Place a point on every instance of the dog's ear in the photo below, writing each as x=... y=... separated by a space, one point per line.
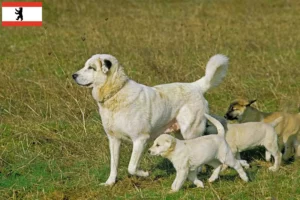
x=106 y=66
x=251 y=102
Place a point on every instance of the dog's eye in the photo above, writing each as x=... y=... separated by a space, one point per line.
x=92 y=68
x=157 y=145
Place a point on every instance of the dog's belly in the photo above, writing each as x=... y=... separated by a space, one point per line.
x=131 y=125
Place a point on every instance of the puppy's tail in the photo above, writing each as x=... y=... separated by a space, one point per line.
x=276 y=121
x=215 y=71
x=217 y=124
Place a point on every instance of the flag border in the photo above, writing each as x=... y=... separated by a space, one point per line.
x=22 y=23
x=22 y=4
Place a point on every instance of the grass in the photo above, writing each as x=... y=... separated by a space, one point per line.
x=52 y=145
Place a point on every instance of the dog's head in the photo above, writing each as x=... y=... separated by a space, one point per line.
x=104 y=74
x=237 y=108
x=96 y=70
x=163 y=145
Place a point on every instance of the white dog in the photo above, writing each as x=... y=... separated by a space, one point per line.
x=137 y=112
x=188 y=155
x=241 y=137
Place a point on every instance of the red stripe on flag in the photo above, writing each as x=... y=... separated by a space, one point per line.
x=21 y=4
x=21 y=23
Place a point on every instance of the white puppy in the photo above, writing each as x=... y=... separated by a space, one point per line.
x=188 y=155
x=136 y=112
x=241 y=137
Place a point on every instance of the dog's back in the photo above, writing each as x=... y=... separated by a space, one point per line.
x=206 y=148
x=248 y=135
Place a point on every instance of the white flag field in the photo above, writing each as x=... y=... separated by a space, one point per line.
x=21 y=13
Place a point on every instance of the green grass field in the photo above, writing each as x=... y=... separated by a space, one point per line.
x=52 y=145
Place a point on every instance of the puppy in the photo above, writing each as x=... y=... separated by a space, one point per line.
x=241 y=137
x=288 y=129
x=245 y=136
x=188 y=155
x=137 y=113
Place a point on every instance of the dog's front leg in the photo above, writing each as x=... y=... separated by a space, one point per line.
x=181 y=176
x=138 y=148
x=114 y=147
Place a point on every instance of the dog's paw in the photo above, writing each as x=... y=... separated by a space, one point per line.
x=172 y=191
x=108 y=183
x=142 y=173
x=245 y=164
x=199 y=183
x=273 y=168
x=212 y=179
x=245 y=178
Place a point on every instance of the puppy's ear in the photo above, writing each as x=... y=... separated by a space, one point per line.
x=106 y=66
x=251 y=102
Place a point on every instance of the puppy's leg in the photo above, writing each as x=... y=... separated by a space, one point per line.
x=268 y=156
x=181 y=176
x=297 y=147
x=138 y=148
x=215 y=174
x=288 y=148
x=272 y=147
x=236 y=154
x=244 y=163
x=114 y=147
x=192 y=176
x=232 y=162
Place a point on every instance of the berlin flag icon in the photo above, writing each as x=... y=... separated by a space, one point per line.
x=21 y=13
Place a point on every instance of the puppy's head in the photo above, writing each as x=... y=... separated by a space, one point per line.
x=163 y=145
x=96 y=70
x=237 y=108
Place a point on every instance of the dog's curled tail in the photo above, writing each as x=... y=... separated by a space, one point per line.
x=217 y=124
x=215 y=71
x=276 y=121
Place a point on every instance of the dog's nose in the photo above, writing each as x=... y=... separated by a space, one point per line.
x=75 y=76
x=149 y=151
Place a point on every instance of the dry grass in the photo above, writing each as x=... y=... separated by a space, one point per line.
x=52 y=145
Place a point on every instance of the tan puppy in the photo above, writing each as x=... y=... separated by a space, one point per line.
x=288 y=129
x=188 y=155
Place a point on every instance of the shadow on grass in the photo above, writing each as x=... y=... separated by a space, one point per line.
x=163 y=169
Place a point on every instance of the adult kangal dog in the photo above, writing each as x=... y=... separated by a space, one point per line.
x=136 y=112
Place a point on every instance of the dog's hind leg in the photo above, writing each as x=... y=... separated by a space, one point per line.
x=272 y=148
x=193 y=177
x=297 y=147
x=268 y=156
x=138 y=148
x=114 y=147
x=218 y=166
x=236 y=164
x=288 y=148
x=191 y=124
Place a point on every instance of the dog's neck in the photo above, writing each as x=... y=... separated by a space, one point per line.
x=169 y=153
x=112 y=86
x=178 y=155
x=252 y=115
